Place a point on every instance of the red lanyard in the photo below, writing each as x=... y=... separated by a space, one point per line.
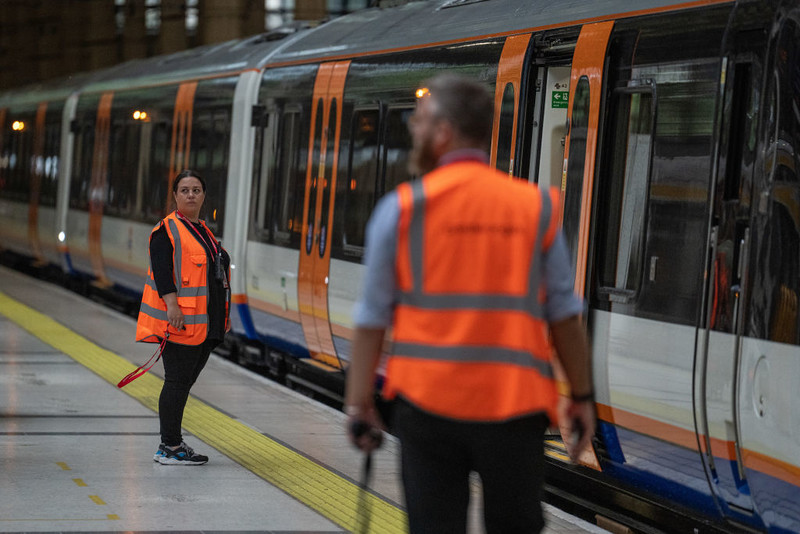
x=193 y=228
x=147 y=365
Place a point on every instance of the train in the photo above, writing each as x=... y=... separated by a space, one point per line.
x=671 y=127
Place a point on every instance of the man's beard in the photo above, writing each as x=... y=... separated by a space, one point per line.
x=422 y=160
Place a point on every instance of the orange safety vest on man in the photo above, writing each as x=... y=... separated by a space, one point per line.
x=470 y=340
x=190 y=269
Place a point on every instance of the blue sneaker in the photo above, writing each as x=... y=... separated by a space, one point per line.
x=159 y=453
x=181 y=455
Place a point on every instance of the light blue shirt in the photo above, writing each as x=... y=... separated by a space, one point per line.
x=375 y=305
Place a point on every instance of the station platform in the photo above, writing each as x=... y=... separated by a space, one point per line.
x=76 y=452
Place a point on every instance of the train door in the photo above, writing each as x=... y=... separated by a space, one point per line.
x=315 y=254
x=506 y=103
x=719 y=353
x=583 y=112
x=753 y=264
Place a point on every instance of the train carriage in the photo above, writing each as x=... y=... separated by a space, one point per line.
x=672 y=128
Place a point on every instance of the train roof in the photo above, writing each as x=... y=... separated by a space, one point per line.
x=370 y=31
x=421 y=23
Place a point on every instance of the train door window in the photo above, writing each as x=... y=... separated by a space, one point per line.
x=209 y=157
x=579 y=128
x=774 y=312
x=315 y=168
x=52 y=144
x=327 y=179
x=82 y=168
x=155 y=190
x=625 y=201
x=216 y=175
x=359 y=189
x=505 y=133
x=397 y=145
x=290 y=180
x=19 y=158
x=123 y=161
x=652 y=198
x=263 y=176
x=550 y=153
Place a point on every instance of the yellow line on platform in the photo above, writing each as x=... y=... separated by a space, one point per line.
x=329 y=494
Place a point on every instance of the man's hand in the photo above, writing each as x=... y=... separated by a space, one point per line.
x=364 y=428
x=582 y=418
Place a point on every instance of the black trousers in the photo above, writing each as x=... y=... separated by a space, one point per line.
x=438 y=455
x=182 y=366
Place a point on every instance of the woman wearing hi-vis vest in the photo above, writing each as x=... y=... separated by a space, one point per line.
x=185 y=300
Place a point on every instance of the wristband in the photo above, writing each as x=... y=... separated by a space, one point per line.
x=586 y=397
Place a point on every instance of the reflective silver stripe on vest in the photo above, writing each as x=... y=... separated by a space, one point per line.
x=182 y=291
x=161 y=315
x=176 y=238
x=415 y=297
x=473 y=355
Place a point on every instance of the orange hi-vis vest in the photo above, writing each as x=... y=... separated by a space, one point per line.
x=190 y=269
x=470 y=340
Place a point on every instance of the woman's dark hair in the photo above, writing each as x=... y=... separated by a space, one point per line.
x=187 y=173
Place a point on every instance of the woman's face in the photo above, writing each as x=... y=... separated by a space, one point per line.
x=189 y=197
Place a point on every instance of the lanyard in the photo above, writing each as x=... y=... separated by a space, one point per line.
x=194 y=230
x=147 y=365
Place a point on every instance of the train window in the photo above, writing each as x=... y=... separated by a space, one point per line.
x=324 y=229
x=210 y=147
x=18 y=157
x=359 y=189
x=290 y=180
x=155 y=192
x=123 y=164
x=396 y=147
x=774 y=313
x=82 y=164
x=263 y=179
x=626 y=201
x=49 y=166
x=315 y=174
x=505 y=130
x=579 y=128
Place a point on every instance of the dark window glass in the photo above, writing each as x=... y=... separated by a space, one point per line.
x=17 y=157
x=50 y=158
x=773 y=313
x=286 y=205
x=155 y=192
x=505 y=130
x=124 y=154
x=326 y=185
x=359 y=189
x=208 y=156
x=263 y=180
x=575 y=167
x=315 y=175
x=396 y=148
x=625 y=200
x=82 y=163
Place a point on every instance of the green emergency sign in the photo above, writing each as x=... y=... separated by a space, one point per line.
x=560 y=99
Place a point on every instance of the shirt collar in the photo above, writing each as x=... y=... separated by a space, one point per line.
x=464 y=154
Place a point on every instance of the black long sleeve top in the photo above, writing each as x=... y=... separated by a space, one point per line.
x=161 y=253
